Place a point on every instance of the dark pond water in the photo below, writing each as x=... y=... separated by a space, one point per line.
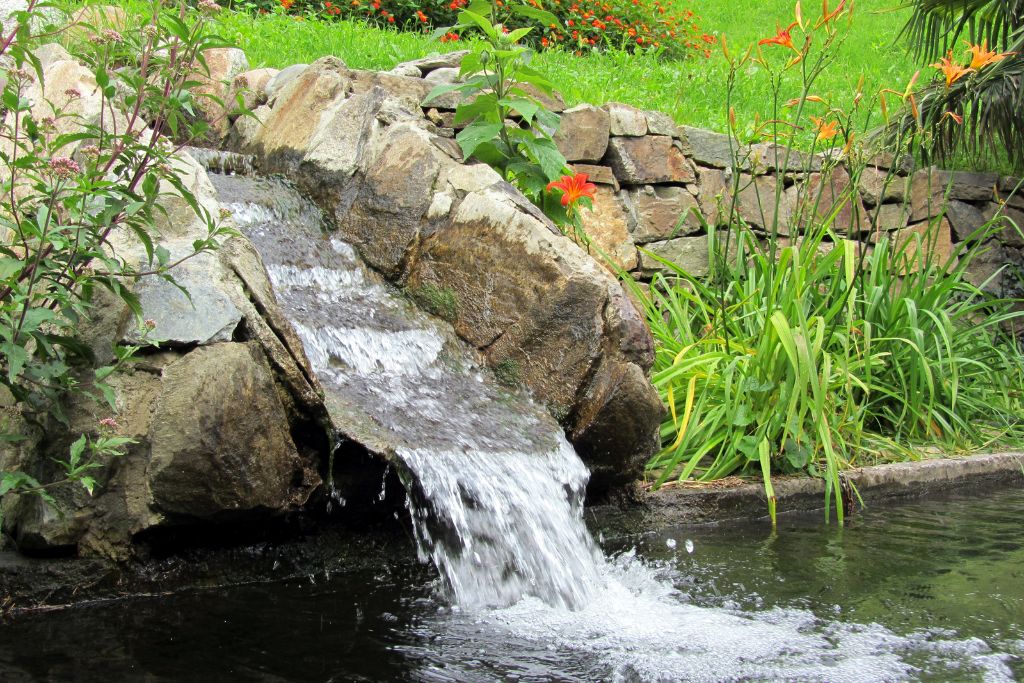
x=927 y=591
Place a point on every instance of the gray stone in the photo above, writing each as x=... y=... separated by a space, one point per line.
x=447 y=60
x=406 y=70
x=659 y=213
x=963 y=218
x=282 y=79
x=877 y=186
x=766 y=157
x=660 y=123
x=714 y=193
x=688 y=253
x=50 y=53
x=583 y=133
x=625 y=120
x=648 y=159
x=252 y=85
x=756 y=204
x=889 y=217
x=204 y=316
x=220 y=442
x=212 y=94
x=830 y=197
x=442 y=76
x=1011 y=221
x=712 y=149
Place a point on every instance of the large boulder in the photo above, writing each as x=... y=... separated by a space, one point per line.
x=522 y=293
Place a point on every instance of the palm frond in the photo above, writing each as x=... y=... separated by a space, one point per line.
x=938 y=25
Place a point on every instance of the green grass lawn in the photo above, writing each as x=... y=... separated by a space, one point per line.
x=691 y=90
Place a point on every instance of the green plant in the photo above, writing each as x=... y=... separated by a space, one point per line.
x=83 y=179
x=441 y=301
x=803 y=350
x=987 y=100
x=507 y=124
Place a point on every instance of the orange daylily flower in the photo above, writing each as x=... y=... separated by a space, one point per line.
x=827 y=16
x=952 y=72
x=981 y=56
x=956 y=117
x=574 y=188
x=826 y=129
x=782 y=38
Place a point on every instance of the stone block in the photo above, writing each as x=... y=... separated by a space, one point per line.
x=878 y=187
x=660 y=213
x=583 y=133
x=648 y=159
x=660 y=123
x=601 y=175
x=889 y=217
x=934 y=237
x=831 y=197
x=626 y=120
x=607 y=226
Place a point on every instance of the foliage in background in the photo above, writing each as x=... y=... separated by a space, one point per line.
x=506 y=122
x=986 y=38
x=581 y=25
x=77 y=191
x=804 y=350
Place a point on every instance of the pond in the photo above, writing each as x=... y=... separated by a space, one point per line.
x=932 y=590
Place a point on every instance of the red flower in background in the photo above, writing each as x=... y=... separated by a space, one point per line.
x=574 y=188
x=782 y=38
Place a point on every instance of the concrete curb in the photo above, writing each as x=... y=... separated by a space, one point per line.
x=648 y=511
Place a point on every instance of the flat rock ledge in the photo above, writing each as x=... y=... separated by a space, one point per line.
x=743 y=501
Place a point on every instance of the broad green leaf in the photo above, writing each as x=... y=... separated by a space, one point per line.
x=475 y=135
x=77 y=449
x=544 y=17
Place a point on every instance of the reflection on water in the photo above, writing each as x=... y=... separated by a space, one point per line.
x=932 y=590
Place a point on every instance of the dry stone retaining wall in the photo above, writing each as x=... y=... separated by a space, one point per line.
x=656 y=179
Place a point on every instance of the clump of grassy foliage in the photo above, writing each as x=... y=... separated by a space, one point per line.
x=805 y=351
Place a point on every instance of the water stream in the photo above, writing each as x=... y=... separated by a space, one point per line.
x=496 y=504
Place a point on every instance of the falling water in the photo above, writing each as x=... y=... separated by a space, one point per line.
x=497 y=498
x=496 y=495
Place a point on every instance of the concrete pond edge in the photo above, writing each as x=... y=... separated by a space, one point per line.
x=645 y=511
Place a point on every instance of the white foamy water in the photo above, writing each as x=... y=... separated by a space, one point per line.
x=496 y=504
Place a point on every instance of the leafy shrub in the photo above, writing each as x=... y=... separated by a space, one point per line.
x=581 y=25
x=805 y=351
x=78 y=192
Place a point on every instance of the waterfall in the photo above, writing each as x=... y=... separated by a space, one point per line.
x=497 y=491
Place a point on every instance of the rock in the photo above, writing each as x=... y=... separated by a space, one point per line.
x=406 y=70
x=283 y=78
x=964 y=219
x=660 y=123
x=756 y=204
x=878 y=187
x=447 y=60
x=212 y=95
x=768 y=157
x=180 y=321
x=648 y=159
x=602 y=175
x=245 y=129
x=625 y=120
x=606 y=226
x=988 y=268
x=220 y=443
x=659 y=213
x=442 y=76
x=1011 y=220
x=934 y=237
x=889 y=217
x=523 y=293
x=714 y=194
x=50 y=53
x=253 y=86
x=930 y=188
x=583 y=133
x=831 y=197
x=298 y=103
x=712 y=149
x=689 y=253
